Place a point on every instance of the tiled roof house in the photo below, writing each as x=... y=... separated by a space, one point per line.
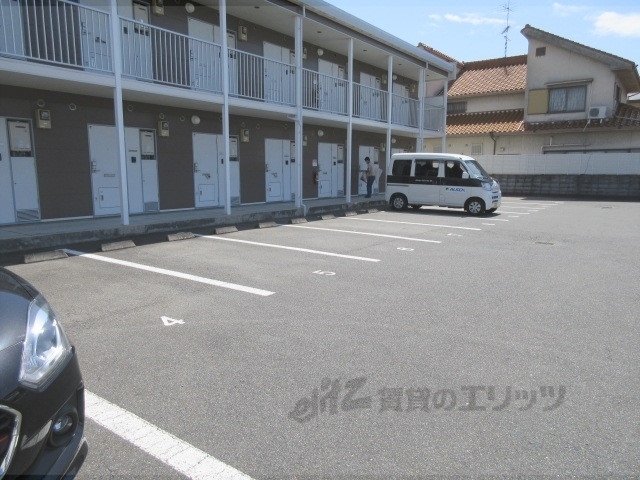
x=561 y=97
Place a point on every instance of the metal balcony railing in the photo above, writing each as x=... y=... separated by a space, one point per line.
x=433 y=113
x=56 y=32
x=259 y=78
x=63 y=33
x=404 y=110
x=159 y=55
x=324 y=93
x=369 y=103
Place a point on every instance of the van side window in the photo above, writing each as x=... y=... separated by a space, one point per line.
x=453 y=170
x=426 y=169
x=401 y=168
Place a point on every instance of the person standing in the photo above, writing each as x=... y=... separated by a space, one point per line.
x=371 y=176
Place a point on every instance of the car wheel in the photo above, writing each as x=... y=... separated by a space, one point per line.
x=474 y=206
x=399 y=202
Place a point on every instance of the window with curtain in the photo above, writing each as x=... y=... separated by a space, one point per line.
x=568 y=99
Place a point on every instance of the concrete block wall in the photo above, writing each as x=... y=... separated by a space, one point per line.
x=605 y=186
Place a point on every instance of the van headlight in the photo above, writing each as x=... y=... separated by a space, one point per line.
x=486 y=186
x=46 y=347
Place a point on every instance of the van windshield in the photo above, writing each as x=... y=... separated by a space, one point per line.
x=475 y=169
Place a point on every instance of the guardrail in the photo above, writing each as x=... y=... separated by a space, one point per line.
x=324 y=93
x=57 y=32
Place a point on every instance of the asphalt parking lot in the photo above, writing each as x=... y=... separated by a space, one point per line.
x=377 y=346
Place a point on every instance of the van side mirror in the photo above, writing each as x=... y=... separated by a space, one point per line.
x=465 y=175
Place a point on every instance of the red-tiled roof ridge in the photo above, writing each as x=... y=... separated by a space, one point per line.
x=438 y=53
x=490 y=78
x=497 y=121
x=496 y=62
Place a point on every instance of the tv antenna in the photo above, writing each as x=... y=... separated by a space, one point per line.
x=506 y=8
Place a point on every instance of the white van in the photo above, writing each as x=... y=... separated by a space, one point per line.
x=442 y=179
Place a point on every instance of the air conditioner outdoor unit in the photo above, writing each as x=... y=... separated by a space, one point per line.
x=597 y=112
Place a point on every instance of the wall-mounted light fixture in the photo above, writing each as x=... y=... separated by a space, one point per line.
x=394 y=77
x=383 y=78
x=320 y=133
x=412 y=88
x=40 y=102
x=195 y=119
x=383 y=147
x=304 y=52
x=320 y=52
x=244 y=135
x=304 y=141
x=393 y=140
x=189 y=7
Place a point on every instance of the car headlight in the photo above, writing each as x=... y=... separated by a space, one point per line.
x=486 y=186
x=46 y=347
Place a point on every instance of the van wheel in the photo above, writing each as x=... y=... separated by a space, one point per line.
x=399 y=201
x=474 y=206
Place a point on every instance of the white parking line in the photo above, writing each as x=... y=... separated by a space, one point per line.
x=176 y=453
x=365 y=233
x=409 y=223
x=297 y=249
x=172 y=273
x=547 y=204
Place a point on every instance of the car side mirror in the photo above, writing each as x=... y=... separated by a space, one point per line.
x=465 y=175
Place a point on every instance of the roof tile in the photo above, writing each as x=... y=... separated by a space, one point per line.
x=504 y=121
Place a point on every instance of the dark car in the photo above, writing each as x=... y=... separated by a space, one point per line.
x=41 y=389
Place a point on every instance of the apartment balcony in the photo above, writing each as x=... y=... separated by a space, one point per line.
x=63 y=34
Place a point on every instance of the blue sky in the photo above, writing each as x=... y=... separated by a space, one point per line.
x=472 y=30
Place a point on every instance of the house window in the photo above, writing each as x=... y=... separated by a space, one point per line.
x=457 y=107
x=476 y=149
x=567 y=99
x=541 y=51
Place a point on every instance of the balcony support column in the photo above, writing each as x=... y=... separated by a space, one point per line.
x=389 y=107
x=444 y=116
x=298 y=119
x=421 y=108
x=118 y=110
x=222 y=8
x=348 y=172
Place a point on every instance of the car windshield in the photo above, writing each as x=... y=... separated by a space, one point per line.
x=475 y=169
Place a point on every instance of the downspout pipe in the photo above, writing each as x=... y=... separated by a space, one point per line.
x=495 y=141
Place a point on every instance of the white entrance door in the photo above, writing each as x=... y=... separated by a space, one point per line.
x=279 y=74
x=11 y=34
x=105 y=170
x=332 y=89
x=370 y=97
x=7 y=206
x=234 y=171
x=202 y=56
x=142 y=170
x=372 y=153
x=330 y=169
x=279 y=170
x=208 y=170
x=18 y=175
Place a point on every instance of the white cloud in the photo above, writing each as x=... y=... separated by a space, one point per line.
x=474 y=19
x=622 y=25
x=568 y=10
